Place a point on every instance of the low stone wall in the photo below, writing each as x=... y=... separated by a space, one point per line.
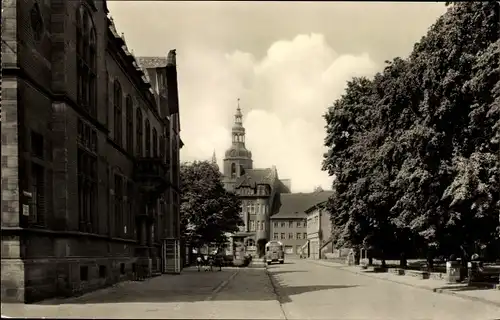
x=437 y=275
x=397 y=271
x=417 y=274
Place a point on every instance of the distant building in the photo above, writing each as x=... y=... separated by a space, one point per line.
x=90 y=154
x=289 y=224
x=258 y=189
x=319 y=228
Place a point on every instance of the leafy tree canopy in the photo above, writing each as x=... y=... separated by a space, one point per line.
x=415 y=149
x=208 y=211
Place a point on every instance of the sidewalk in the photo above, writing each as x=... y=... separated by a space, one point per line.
x=490 y=296
x=186 y=295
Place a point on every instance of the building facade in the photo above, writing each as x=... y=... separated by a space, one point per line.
x=319 y=230
x=290 y=230
x=290 y=224
x=90 y=154
x=258 y=190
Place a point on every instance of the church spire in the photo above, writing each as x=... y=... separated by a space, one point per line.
x=238 y=131
x=238 y=117
x=214 y=158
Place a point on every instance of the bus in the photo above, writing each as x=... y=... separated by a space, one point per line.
x=275 y=252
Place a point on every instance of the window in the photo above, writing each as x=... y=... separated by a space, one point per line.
x=305 y=235
x=233 y=170
x=129 y=116
x=162 y=147
x=84 y=273
x=102 y=271
x=37 y=145
x=148 y=138
x=139 y=128
x=117 y=107
x=131 y=217
x=275 y=236
x=305 y=223
x=87 y=137
x=275 y=224
x=86 y=61
x=299 y=236
x=155 y=143
x=36 y=22
x=290 y=235
x=251 y=243
x=282 y=236
x=252 y=225
x=122 y=268
x=283 y=224
x=290 y=224
x=299 y=224
x=87 y=189
x=118 y=205
x=37 y=214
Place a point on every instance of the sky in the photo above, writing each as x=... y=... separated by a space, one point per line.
x=286 y=62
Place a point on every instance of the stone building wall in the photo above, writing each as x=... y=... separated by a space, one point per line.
x=52 y=257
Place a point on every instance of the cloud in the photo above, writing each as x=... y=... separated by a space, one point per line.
x=283 y=97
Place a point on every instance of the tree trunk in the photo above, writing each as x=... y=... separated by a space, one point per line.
x=430 y=263
x=357 y=257
x=403 y=263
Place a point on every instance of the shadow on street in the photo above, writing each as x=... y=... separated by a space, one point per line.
x=466 y=288
x=286 y=291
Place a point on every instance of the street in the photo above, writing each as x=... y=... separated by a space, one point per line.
x=302 y=290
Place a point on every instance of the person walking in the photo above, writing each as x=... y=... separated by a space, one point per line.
x=199 y=262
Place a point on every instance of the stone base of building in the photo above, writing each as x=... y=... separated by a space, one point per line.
x=30 y=281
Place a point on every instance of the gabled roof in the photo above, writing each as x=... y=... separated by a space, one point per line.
x=253 y=177
x=294 y=205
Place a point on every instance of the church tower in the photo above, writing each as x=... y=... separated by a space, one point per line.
x=237 y=158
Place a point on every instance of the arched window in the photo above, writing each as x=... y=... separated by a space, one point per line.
x=155 y=143
x=117 y=107
x=138 y=135
x=233 y=170
x=86 y=60
x=130 y=123
x=36 y=20
x=148 y=138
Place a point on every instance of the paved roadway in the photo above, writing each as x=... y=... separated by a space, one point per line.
x=310 y=291
x=297 y=289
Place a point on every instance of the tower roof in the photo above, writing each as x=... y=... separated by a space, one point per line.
x=238 y=149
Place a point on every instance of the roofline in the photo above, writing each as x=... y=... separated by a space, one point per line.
x=285 y=217
x=314 y=206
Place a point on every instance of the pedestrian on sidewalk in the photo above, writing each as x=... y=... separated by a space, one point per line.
x=199 y=262
x=206 y=263
x=218 y=261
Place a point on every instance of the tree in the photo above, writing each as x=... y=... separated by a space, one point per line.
x=208 y=211
x=415 y=149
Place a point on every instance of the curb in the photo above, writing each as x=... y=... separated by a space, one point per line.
x=435 y=290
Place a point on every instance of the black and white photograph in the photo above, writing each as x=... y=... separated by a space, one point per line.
x=335 y=160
